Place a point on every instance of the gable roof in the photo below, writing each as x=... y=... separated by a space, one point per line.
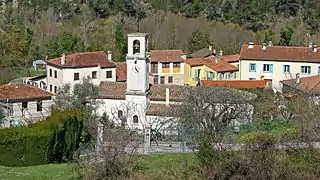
x=21 y=91
x=121 y=70
x=166 y=55
x=117 y=90
x=280 y=53
x=210 y=62
x=248 y=84
x=309 y=84
x=230 y=58
x=84 y=59
x=205 y=52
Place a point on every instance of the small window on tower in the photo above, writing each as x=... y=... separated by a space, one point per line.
x=136 y=46
x=135 y=119
x=120 y=113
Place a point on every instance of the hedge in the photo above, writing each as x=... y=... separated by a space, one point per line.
x=52 y=140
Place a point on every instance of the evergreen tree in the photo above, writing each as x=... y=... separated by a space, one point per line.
x=120 y=42
x=285 y=37
x=198 y=41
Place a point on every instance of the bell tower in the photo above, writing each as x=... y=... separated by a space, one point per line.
x=137 y=64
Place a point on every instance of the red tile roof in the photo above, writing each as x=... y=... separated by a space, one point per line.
x=309 y=84
x=222 y=66
x=117 y=90
x=166 y=56
x=250 y=84
x=230 y=58
x=19 y=90
x=280 y=53
x=121 y=70
x=85 y=59
x=205 y=52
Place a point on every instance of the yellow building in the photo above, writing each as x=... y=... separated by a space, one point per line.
x=210 y=68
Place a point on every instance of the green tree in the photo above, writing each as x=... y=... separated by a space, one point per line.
x=268 y=35
x=66 y=43
x=120 y=42
x=285 y=36
x=198 y=41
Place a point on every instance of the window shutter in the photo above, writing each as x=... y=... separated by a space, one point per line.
x=255 y=67
x=271 y=67
x=249 y=67
x=283 y=68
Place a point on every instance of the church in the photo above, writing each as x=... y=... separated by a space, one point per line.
x=136 y=103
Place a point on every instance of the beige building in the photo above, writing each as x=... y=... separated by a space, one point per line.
x=277 y=63
x=167 y=67
x=74 y=67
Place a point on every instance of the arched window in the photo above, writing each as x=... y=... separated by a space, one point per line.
x=135 y=119
x=120 y=113
x=136 y=46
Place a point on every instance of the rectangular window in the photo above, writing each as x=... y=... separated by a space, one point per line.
x=267 y=68
x=50 y=88
x=252 y=67
x=227 y=75
x=197 y=73
x=319 y=70
x=234 y=75
x=286 y=68
x=154 y=67
x=221 y=75
x=170 y=79
x=55 y=74
x=210 y=75
x=94 y=75
x=24 y=105
x=155 y=80
x=55 y=89
x=109 y=74
x=76 y=76
x=165 y=65
x=176 y=65
x=162 y=80
x=50 y=72
x=252 y=79
x=306 y=69
x=39 y=106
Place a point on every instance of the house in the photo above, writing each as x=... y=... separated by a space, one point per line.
x=309 y=85
x=39 y=81
x=74 y=67
x=24 y=103
x=210 y=68
x=204 y=52
x=167 y=66
x=277 y=63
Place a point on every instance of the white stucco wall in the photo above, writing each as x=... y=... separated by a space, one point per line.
x=277 y=75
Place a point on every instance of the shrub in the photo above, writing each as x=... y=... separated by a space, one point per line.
x=52 y=140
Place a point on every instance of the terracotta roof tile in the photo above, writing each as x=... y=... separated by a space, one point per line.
x=309 y=84
x=85 y=59
x=117 y=90
x=222 y=66
x=205 y=52
x=236 y=83
x=280 y=53
x=166 y=56
x=230 y=58
x=121 y=69
x=19 y=90
x=156 y=109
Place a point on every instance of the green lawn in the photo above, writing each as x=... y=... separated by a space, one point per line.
x=42 y=172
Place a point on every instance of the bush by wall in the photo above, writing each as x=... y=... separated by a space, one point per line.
x=52 y=140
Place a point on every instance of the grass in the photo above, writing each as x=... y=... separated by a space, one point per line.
x=43 y=172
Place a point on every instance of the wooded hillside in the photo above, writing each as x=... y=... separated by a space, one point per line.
x=36 y=29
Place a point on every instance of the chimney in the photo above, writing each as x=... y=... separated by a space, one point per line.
x=63 y=59
x=109 y=55
x=251 y=44
x=210 y=48
x=314 y=48
x=167 y=96
x=310 y=45
x=297 y=78
x=217 y=59
x=264 y=46
x=221 y=52
x=270 y=43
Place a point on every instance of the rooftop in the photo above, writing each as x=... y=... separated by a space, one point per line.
x=205 y=52
x=85 y=59
x=280 y=53
x=121 y=70
x=309 y=84
x=238 y=84
x=221 y=66
x=20 y=91
x=167 y=55
x=230 y=58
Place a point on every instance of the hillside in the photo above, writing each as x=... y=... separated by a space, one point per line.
x=41 y=29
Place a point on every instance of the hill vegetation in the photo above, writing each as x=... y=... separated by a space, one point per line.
x=40 y=29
